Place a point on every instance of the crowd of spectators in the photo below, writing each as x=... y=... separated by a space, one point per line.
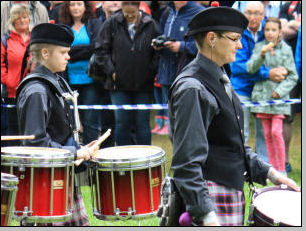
x=139 y=67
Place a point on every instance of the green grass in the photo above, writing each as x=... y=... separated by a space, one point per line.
x=165 y=144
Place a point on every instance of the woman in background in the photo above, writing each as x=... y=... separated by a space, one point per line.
x=13 y=47
x=78 y=15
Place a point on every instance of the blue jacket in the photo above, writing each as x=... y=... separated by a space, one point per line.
x=175 y=27
x=241 y=80
x=298 y=60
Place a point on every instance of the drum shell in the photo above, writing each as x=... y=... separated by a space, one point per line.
x=45 y=183
x=130 y=176
x=8 y=196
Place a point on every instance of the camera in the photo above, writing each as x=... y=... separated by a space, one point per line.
x=161 y=39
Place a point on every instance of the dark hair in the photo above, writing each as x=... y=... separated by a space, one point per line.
x=275 y=20
x=131 y=3
x=201 y=36
x=66 y=18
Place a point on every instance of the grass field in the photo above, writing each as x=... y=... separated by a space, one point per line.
x=164 y=143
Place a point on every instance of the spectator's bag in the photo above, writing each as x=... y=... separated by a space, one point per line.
x=94 y=70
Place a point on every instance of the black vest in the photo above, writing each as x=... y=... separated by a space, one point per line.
x=60 y=123
x=226 y=162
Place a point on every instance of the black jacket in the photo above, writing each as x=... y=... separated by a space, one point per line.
x=84 y=52
x=133 y=61
x=207 y=135
x=43 y=113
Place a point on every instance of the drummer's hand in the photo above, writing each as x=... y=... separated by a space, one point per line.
x=289 y=182
x=211 y=219
x=278 y=178
x=92 y=148
x=83 y=153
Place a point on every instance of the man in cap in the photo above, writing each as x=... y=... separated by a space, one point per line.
x=210 y=162
x=42 y=111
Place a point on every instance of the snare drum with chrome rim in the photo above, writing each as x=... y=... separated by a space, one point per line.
x=276 y=206
x=46 y=177
x=126 y=181
x=8 y=195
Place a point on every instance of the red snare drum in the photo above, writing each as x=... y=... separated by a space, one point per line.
x=46 y=177
x=8 y=195
x=126 y=181
x=276 y=206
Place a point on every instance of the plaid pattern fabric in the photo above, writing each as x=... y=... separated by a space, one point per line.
x=79 y=216
x=229 y=204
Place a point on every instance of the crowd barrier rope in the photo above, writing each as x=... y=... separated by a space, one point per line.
x=165 y=106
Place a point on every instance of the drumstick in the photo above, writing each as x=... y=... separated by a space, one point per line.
x=31 y=137
x=97 y=144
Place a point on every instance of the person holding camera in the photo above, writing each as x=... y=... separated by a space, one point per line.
x=124 y=52
x=171 y=44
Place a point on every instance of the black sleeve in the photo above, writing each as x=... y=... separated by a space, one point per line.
x=84 y=52
x=156 y=54
x=81 y=52
x=33 y=111
x=103 y=47
x=259 y=169
x=284 y=11
x=193 y=111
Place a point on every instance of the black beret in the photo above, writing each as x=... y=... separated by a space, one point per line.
x=57 y=34
x=217 y=19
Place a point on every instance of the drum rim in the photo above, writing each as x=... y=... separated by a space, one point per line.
x=101 y=216
x=268 y=189
x=11 y=156
x=46 y=219
x=137 y=162
x=8 y=181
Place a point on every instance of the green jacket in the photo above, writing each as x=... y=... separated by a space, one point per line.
x=282 y=57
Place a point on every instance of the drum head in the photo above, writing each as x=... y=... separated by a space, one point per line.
x=35 y=157
x=8 y=181
x=129 y=157
x=283 y=206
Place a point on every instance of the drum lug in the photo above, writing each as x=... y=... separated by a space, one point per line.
x=117 y=212
x=251 y=217
x=130 y=214
x=21 y=177
x=121 y=173
x=19 y=215
x=21 y=169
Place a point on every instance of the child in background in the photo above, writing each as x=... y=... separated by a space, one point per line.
x=161 y=119
x=273 y=52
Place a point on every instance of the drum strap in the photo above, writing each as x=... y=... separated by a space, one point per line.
x=51 y=82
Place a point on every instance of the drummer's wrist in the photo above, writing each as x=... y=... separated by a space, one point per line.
x=81 y=152
x=274 y=176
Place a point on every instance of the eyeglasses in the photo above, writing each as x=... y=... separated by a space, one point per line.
x=256 y=14
x=235 y=40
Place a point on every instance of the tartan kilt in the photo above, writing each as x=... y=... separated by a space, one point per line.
x=229 y=203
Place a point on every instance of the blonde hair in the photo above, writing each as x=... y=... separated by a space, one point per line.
x=35 y=52
x=15 y=12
